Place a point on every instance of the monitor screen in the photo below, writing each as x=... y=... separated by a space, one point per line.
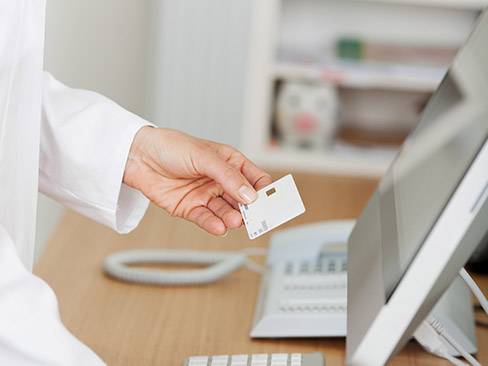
x=434 y=158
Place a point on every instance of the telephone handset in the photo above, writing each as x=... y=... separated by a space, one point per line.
x=119 y=265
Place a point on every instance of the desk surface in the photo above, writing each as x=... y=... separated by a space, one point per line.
x=142 y=325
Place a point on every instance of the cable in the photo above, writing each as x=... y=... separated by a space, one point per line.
x=475 y=289
x=252 y=265
x=428 y=338
x=453 y=360
x=439 y=328
x=219 y=264
x=430 y=341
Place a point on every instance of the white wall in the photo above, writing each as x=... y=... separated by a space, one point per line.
x=200 y=65
x=101 y=45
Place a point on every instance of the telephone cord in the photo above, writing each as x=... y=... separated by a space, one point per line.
x=120 y=265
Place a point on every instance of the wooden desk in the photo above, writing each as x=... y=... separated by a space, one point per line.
x=142 y=325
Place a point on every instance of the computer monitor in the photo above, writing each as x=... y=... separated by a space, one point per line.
x=427 y=216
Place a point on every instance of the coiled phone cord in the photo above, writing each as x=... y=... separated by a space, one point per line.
x=218 y=264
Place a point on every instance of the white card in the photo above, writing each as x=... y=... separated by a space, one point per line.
x=276 y=204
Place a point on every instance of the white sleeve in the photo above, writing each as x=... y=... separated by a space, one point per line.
x=31 y=331
x=85 y=141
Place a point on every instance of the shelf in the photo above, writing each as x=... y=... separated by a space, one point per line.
x=365 y=75
x=456 y=4
x=342 y=159
x=291 y=40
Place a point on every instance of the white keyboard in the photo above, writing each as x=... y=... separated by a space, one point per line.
x=275 y=359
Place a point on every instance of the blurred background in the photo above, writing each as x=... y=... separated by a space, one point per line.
x=325 y=86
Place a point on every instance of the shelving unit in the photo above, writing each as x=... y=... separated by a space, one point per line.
x=457 y=4
x=365 y=76
x=273 y=25
x=341 y=159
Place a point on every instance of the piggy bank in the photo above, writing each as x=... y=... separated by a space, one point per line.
x=307 y=114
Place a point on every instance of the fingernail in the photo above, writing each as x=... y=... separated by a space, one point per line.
x=223 y=236
x=248 y=194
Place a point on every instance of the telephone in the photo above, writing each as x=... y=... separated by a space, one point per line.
x=303 y=291
x=304 y=286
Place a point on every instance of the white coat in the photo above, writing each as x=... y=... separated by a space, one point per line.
x=70 y=144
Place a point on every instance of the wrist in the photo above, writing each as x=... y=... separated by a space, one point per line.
x=135 y=157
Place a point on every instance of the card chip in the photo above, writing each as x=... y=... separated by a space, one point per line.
x=270 y=192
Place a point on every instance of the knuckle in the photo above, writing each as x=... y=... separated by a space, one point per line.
x=230 y=173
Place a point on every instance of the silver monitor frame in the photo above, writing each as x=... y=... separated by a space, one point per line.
x=378 y=325
x=377 y=329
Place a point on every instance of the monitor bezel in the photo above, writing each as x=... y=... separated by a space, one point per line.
x=444 y=252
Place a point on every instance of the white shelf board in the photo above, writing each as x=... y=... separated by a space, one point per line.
x=342 y=160
x=365 y=75
x=456 y=4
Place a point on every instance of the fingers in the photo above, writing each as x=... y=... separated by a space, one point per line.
x=203 y=181
x=260 y=178
x=228 y=177
x=238 y=176
x=217 y=217
x=255 y=175
x=207 y=220
x=230 y=201
x=221 y=208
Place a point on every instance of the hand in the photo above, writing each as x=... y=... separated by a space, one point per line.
x=195 y=179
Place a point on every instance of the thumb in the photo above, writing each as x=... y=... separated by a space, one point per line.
x=229 y=178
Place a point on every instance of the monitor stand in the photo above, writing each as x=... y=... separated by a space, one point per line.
x=456 y=313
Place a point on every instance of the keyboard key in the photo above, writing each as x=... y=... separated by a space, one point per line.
x=296 y=357
x=240 y=357
x=279 y=356
x=239 y=360
x=222 y=360
x=198 y=361
x=279 y=359
x=260 y=359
